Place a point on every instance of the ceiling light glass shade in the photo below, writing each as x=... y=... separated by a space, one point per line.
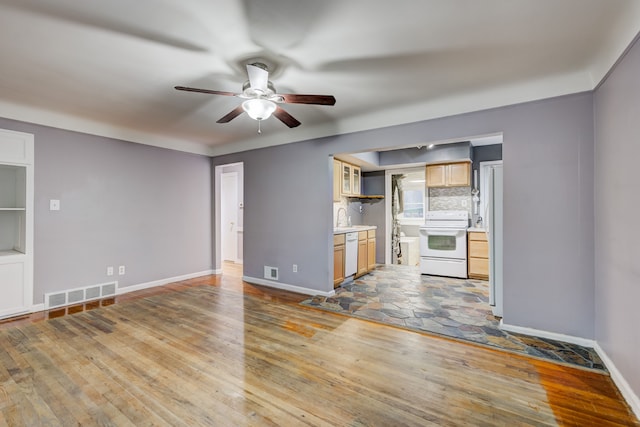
x=259 y=109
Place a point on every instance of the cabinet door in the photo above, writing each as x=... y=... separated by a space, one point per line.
x=362 y=257
x=371 y=254
x=459 y=175
x=355 y=180
x=436 y=175
x=337 y=168
x=338 y=264
x=346 y=179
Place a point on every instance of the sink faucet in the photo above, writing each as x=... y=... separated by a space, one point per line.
x=338 y=215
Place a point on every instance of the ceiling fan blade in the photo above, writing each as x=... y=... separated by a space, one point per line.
x=231 y=115
x=292 y=98
x=213 y=92
x=286 y=118
x=258 y=78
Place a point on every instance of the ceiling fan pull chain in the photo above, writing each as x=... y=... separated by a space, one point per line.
x=259 y=130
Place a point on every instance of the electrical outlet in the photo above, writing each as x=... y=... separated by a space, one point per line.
x=295 y=268
x=121 y=270
x=109 y=271
x=54 y=205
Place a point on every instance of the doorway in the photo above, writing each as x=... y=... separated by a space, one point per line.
x=229 y=209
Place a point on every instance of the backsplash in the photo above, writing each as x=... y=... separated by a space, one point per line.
x=450 y=199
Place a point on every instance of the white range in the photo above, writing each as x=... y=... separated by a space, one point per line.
x=443 y=244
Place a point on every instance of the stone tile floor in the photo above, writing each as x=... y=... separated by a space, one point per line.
x=456 y=308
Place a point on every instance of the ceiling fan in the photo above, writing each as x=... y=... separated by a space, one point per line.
x=262 y=100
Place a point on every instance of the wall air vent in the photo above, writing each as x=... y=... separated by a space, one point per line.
x=270 y=273
x=79 y=295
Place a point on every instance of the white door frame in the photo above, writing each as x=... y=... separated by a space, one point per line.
x=218 y=171
x=388 y=197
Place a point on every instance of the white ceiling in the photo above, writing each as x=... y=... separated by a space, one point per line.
x=109 y=67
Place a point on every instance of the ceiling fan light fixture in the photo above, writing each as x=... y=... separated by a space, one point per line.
x=258 y=108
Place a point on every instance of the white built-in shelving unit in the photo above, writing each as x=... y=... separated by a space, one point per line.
x=16 y=222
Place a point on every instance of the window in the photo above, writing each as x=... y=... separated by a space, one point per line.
x=413 y=204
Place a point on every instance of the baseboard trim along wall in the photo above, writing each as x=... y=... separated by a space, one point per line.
x=585 y=342
x=162 y=282
x=286 y=287
x=627 y=392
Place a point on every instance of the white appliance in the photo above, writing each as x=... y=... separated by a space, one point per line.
x=494 y=229
x=443 y=244
x=351 y=254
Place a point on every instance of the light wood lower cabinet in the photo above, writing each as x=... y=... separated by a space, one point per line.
x=338 y=259
x=371 y=250
x=478 y=259
x=363 y=255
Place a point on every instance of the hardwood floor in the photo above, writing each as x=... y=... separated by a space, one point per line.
x=217 y=351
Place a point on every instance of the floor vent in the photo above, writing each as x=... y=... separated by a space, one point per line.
x=79 y=295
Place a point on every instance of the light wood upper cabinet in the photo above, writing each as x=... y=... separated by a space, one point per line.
x=337 y=168
x=436 y=176
x=449 y=175
x=355 y=180
x=346 y=179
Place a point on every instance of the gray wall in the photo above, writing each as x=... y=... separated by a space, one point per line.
x=548 y=185
x=617 y=236
x=439 y=153
x=121 y=204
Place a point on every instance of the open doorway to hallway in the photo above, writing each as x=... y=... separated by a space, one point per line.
x=229 y=218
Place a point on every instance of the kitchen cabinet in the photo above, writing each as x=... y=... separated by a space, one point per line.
x=349 y=180
x=371 y=250
x=338 y=259
x=449 y=175
x=363 y=253
x=366 y=252
x=346 y=178
x=355 y=180
x=16 y=222
x=478 y=255
x=337 y=168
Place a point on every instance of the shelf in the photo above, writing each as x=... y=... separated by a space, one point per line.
x=362 y=196
x=12 y=209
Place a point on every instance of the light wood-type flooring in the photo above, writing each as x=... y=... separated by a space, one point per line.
x=219 y=352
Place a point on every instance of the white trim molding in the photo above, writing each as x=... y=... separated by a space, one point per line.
x=287 y=287
x=585 y=342
x=625 y=389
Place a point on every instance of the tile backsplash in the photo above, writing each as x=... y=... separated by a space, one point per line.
x=450 y=199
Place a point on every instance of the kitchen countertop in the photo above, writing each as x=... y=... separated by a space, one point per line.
x=342 y=230
x=477 y=229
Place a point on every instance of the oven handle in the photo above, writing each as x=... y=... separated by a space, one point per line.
x=441 y=232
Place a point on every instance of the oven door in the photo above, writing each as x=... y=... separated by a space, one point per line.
x=443 y=243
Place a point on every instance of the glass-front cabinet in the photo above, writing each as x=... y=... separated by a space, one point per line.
x=355 y=180
x=346 y=178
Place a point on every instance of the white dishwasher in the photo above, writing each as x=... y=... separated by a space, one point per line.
x=351 y=254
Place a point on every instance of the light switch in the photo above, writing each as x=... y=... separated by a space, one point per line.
x=54 y=205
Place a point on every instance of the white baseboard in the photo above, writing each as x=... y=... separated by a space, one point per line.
x=217 y=271
x=162 y=282
x=36 y=307
x=627 y=392
x=286 y=287
x=585 y=342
